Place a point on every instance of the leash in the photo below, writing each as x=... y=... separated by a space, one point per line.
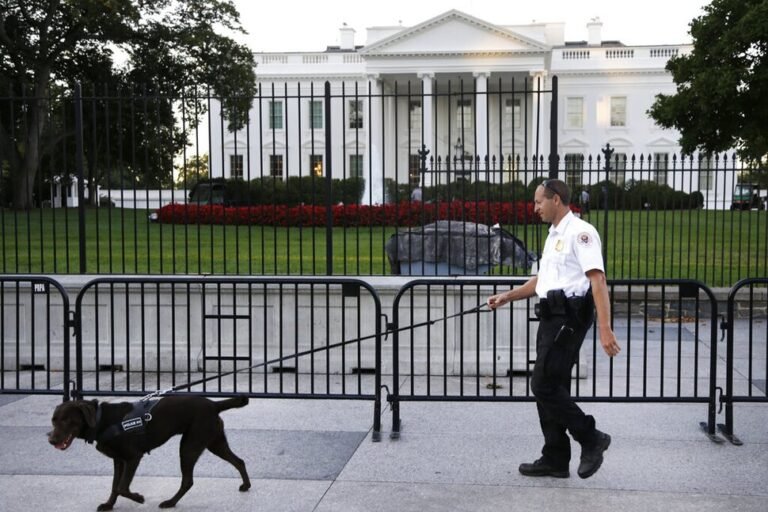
x=477 y=309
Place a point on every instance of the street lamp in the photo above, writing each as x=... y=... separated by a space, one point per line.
x=458 y=149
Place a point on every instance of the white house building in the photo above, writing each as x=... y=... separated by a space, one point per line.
x=460 y=87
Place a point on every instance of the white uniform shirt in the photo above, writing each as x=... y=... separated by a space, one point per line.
x=572 y=249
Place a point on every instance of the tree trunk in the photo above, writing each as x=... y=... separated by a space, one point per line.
x=24 y=181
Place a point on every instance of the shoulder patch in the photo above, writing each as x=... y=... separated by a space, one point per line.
x=584 y=238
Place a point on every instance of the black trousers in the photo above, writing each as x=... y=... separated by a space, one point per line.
x=551 y=385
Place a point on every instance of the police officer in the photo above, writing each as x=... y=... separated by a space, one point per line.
x=571 y=286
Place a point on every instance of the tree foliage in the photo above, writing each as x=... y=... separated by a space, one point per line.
x=191 y=171
x=143 y=63
x=722 y=85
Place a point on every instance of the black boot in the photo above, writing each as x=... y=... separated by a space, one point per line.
x=592 y=454
x=543 y=468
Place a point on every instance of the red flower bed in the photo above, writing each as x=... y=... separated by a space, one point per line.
x=401 y=214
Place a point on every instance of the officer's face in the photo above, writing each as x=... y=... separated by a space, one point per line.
x=543 y=205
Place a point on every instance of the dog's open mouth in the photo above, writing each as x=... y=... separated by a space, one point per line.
x=65 y=443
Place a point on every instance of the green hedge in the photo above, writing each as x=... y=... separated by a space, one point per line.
x=634 y=195
x=641 y=195
x=293 y=191
x=461 y=190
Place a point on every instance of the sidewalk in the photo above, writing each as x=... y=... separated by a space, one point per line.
x=317 y=455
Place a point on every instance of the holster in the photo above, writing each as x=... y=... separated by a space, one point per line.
x=577 y=309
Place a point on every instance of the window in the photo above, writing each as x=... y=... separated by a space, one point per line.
x=619 y=166
x=276 y=166
x=316 y=114
x=236 y=166
x=355 y=114
x=414 y=108
x=464 y=115
x=574 y=113
x=512 y=113
x=618 y=111
x=316 y=164
x=275 y=115
x=706 y=176
x=660 y=166
x=574 y=166
x=356 y=166
x=414 y=168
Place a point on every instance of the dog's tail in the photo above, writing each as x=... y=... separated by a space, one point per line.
x=232 y=403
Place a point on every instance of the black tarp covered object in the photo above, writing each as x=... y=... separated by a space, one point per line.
x=455 y=248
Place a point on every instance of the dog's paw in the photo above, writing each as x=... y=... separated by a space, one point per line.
x=245 y=487
x=168 y=504
x=133 y=496
x=104 y=506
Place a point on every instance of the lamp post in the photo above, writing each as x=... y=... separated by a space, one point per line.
x=458 y=149
x=458 y=155
x=423 y=152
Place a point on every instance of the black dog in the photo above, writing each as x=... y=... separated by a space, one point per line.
x=125 y=432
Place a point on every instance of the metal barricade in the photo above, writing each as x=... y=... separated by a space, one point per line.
x=261 y=337
x=747 y=349
x=34 y=336
x=667 y=329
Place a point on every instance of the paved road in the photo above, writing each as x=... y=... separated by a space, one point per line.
x=306 y=455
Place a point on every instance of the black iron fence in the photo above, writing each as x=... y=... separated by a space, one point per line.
x=290 y=198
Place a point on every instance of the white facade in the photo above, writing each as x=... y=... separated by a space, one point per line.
x=604 y=92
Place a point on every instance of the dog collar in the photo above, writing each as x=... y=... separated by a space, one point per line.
x=92 y=432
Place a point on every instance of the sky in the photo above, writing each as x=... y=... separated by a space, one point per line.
x=312 y=25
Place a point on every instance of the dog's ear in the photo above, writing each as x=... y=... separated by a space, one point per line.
x=89 y=411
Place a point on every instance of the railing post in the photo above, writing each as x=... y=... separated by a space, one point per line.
x=328 y=183
x=80 y=173
x=608 y=152
x=553 y=132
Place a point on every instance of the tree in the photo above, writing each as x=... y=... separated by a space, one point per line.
x=722 y=85
x=154 y=57
x=193 y=170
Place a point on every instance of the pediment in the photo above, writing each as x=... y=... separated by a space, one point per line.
x=316 y=144
x=620 y=142
x=454 y=32
x=662 y=142
x=277 y=145
x=574 y=143
x=239 y=145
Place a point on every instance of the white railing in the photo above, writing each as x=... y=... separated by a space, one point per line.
x=620 y=54
x=576 y=54
x=663 y=52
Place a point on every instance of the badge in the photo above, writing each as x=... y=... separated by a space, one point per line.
x=584 y=238
x=131 y=424
x=559 y=245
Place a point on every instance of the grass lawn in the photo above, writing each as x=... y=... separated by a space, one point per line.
x=716 y=247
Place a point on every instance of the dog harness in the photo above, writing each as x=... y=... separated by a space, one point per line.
x=135 y=422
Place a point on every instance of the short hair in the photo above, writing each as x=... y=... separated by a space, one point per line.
x=554 y=186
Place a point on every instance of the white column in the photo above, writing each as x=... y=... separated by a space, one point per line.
x=374 y=177
x=540 y=108
x=428 y=116
x=481 y=111
x=428 y=111
x=390 y=137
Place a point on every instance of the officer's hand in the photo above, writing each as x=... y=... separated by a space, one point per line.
x=609 y=343
x=497 y=300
